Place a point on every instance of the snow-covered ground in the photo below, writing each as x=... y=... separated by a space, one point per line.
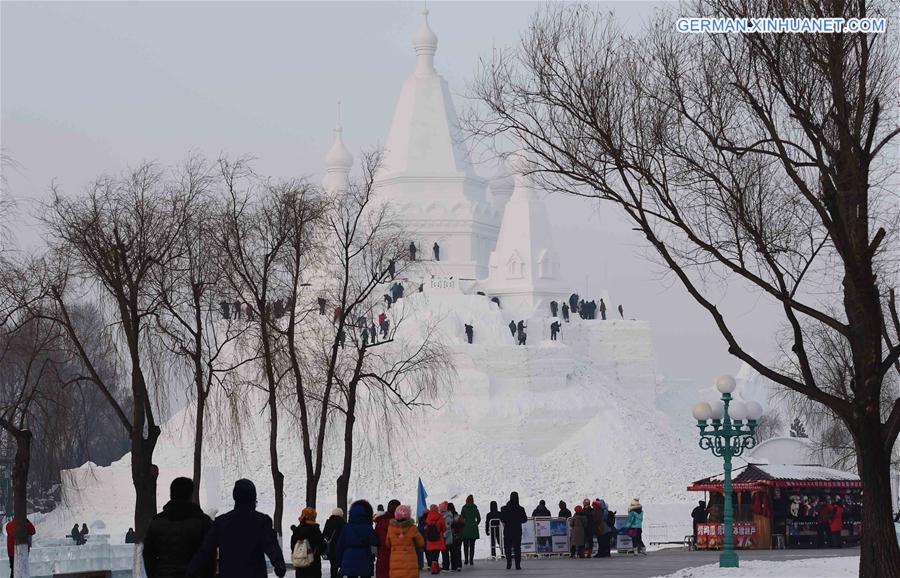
x=555 y=420
x=842 y=567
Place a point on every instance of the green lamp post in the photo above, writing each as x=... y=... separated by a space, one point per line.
x=727 y=428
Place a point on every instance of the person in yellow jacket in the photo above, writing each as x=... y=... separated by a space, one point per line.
x=402 y=539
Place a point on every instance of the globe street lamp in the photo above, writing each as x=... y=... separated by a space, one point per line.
x=727 y=427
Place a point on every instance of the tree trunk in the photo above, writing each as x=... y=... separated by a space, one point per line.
x=21 y=465
x=143 y=477
x=277 y=476
x=312 y=485
x=198 y=429
x=198 y=447
x=343 y=481
x=879 y=553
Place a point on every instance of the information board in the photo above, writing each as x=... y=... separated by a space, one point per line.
x=545 y=536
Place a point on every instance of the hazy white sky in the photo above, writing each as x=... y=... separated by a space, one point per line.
x=89 y=88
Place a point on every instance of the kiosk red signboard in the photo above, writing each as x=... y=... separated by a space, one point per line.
x=711 y=536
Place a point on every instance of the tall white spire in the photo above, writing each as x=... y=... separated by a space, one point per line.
x=425 y=42
x=338 y=161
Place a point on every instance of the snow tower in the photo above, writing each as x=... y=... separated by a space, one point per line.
x=427 y=179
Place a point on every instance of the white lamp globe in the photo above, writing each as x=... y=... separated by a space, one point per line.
x=718 y=410
x=725 y=384
x=754 y=410
x=737 y=410
x=702 y=411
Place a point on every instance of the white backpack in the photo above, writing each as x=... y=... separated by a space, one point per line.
x=302 y=556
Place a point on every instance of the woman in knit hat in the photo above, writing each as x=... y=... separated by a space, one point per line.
x=435 y=527
x=331 y=532
x=402 y=540
x=576 y=534
x=307 y=546
x=635 y=524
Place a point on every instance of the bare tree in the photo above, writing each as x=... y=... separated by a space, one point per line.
x=111 y=239
x=364 y=250
x=194 y=317
x=254 y=241
x=757 y=158
x=31 y=392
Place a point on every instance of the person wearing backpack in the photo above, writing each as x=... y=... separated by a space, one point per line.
x=434 y=538
x=403 y=538
x=472 y=518
x=457 y=524
x=307 y=546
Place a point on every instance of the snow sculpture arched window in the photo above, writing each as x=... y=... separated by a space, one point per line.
x=515 y=267
x=547 y=265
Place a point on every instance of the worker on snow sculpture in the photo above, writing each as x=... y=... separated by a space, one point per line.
x=436 y=249
x=470 y=332
x=554 y=330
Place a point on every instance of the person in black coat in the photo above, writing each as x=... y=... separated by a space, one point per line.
x=470 y=333
x=331 y=532
x=243 y=538
x=573 y=302
x=564 y=512
x=512 y=328
x=565 y=312
x=308 y=530
x=513 y=516
x=554 y=307
x=541 y=510
x=699 y=515
x=175 y=534
x=493 y=530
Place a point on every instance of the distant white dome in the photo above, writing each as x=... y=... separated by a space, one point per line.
x=338 y=156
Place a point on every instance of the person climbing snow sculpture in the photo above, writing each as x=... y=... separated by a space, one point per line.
x=436 y=250
x=470 y=332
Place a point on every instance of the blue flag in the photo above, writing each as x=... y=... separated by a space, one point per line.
x=422 y=504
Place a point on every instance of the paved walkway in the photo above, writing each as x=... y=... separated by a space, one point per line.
x=657 y=563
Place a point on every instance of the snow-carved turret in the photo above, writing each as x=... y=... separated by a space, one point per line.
x=524 y=268
x=338 y=162
x=426 y=176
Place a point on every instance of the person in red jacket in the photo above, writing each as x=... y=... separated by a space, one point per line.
x=382 y=523
x=435 y=528
x=837 y=522
x=11 y=539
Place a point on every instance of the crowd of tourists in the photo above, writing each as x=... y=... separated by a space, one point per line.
x=183 y=542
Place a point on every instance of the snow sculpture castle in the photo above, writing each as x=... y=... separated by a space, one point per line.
x=429 y=184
